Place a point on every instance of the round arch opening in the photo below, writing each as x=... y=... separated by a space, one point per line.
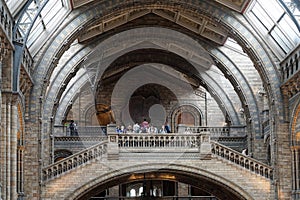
x=198 y=184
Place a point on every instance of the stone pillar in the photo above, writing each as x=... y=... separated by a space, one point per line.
x=9 y=146
x=3 y=52
x=113 y=144
x=14 y=147
x=114 y=191
x=3 y=149
x=7 y=132
x=183 y=189
x=282 y=162
x=205 y=146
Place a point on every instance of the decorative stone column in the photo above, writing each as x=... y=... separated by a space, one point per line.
x=8 y=155
x=113 y=144
x=205 y=146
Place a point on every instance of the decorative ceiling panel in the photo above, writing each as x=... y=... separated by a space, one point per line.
x=237 y=5
x=197 y=24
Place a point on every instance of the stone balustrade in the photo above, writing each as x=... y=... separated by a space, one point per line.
x=58 y=168
x=27 y=62
x=290 y=65
x=290 y=73
x=222 y=131
x=83 y=131
x=159 y=140
x=6 y=20
x=242 y=160
x=113 y=144
x=168 y=142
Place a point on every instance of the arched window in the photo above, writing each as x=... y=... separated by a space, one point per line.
x=141 y=191
x=132 y=193
x=295 y=137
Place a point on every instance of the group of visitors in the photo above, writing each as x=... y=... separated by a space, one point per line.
x=144 y=127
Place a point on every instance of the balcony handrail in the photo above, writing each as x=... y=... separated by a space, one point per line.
x=6 y=20
x=157 y=140
x=78 y=159
x=242 y=160
x=215 y=131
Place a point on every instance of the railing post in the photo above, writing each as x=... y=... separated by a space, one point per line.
x=205 y=146
x=113 y=144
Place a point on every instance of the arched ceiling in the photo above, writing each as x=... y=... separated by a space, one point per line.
x=94 y=58
x=209 y=35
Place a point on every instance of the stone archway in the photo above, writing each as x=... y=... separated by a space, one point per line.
x=187 y=115
x=216 y=186
x=295 y=140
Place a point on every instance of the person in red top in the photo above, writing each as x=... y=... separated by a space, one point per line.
x=144 y=126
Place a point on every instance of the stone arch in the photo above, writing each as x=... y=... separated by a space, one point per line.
x=295 y=125
x=90 y=115
x=193 y=176
x=295 y=143
x=21 y=128
x=124 y=93
x=189 y=109
x=89 y=19
x=20 y=149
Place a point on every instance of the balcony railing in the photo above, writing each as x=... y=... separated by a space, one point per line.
x=233 y=137
x=159 y=140
x=6 y=20
x=114 y=143
x=290 y=66
x=82 y=131
x=215 y=132
x=242 y=160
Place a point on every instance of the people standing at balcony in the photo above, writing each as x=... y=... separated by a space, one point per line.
x=153 y=129
x=144 y=126
x=129 y=128
x=123 y=129
x=167 y=127
x=136 y=128
x=73 y=128
x=162 y=130
x=120 y=129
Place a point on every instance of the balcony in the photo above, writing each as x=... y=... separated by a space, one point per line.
x=290 y=76
x=233 y=137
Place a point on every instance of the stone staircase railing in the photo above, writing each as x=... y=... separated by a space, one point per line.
x=58 y=168
x=244 y=161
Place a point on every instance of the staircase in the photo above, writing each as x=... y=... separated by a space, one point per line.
x=91 y=167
